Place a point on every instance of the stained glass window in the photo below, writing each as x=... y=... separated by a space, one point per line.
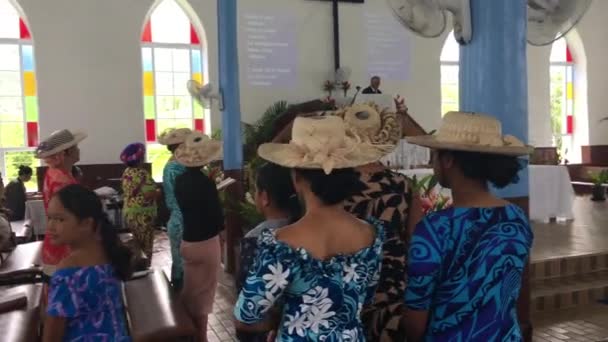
x=562 y=97
x=449 y=75
x=18 y=94
x=172 y=54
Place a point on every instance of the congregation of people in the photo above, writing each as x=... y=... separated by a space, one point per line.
x=344 y=253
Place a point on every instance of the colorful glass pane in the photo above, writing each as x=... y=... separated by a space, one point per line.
x=199 y=111
x=148 y=82
x=569 y=124
x=196 y=61
x=199 y=125
x=149 y=107
x=32 y=134
x=31 y=108
x=29 y=83
x=194 y=36
x=197 y=76
x=27 y=57
x=24 y=31
x=146 y=35
x=146 y=59
x=150 y=130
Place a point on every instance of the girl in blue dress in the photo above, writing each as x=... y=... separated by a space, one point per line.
x=173 y=138
x=310 y=279
x=85 y=296
x=466 y=263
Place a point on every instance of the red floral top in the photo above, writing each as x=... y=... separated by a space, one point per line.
x=54 y=180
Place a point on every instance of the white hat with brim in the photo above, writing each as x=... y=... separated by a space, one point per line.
x=198 y=150
x=321 y=143
x=173 y=136
x=472 y=132
x=59 y=141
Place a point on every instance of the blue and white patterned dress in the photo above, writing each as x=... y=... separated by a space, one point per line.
x=465 y=268
x=320 y=300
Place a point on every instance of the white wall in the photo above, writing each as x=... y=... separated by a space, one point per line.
x=89 y=71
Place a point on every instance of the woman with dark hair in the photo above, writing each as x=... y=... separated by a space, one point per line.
x=140 y=194
x=308 y=281
x=173 y=138
x=387 y=196
x=85 y=297
x=466 y=262
x=276 y=199
x=201 y=209
x=15 y=194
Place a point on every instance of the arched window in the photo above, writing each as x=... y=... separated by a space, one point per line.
x=18 y=96
x=562 y=97
x=172 y=53
x=449 y=75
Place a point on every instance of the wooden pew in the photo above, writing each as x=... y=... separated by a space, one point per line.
x=24 y=256
x=154 y=311
x=22 y=325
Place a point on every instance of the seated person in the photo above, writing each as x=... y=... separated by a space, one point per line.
x=15 y=194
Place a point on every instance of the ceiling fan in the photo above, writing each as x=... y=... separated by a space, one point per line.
x=549 y=20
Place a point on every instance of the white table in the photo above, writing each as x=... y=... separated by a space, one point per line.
x=551 y=193
x=34 y=212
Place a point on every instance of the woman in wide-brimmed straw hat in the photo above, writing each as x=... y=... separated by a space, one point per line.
x=59 y=152
x=319 y=278
x=466 y=262
x=173 y=138
x=140 y=194
x=387 y=196
x=199 y=202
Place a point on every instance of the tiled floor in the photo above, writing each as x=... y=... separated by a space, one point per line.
x=221 y=327
x=588 y=233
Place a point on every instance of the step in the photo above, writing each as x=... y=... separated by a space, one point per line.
x=567 y=266
x=569 y=291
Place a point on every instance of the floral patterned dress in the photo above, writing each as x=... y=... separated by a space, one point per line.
x=320 y=300
x=387 y=198
x=90 y=299
x=139 y=212
x=466 y=268
x=54 y=180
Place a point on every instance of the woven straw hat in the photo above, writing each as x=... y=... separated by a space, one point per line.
x=472 y=132
x=372 y=124
x=321 y=143
x=174 y=136
x=198 y=150
x=59 y=141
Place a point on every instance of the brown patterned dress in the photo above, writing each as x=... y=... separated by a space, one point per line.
x=387 y=198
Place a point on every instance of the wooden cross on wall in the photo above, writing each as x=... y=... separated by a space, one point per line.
x=336 y=25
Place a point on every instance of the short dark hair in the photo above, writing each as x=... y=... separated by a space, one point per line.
x=335 y=187
x=25 y=170
x=500 y=170
x=375 y=77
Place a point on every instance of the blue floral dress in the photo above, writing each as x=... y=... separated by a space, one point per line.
x=320 y=300
x=175 y=226
x=465 y=268
x=90 y=299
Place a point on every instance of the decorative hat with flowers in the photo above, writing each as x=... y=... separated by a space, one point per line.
x=174 y=136
x=321 y=143
x=198 y=150
x=374 y=125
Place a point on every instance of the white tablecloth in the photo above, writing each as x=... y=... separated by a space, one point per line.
x=405 y=156
x=551 y=193
x=34 y=211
